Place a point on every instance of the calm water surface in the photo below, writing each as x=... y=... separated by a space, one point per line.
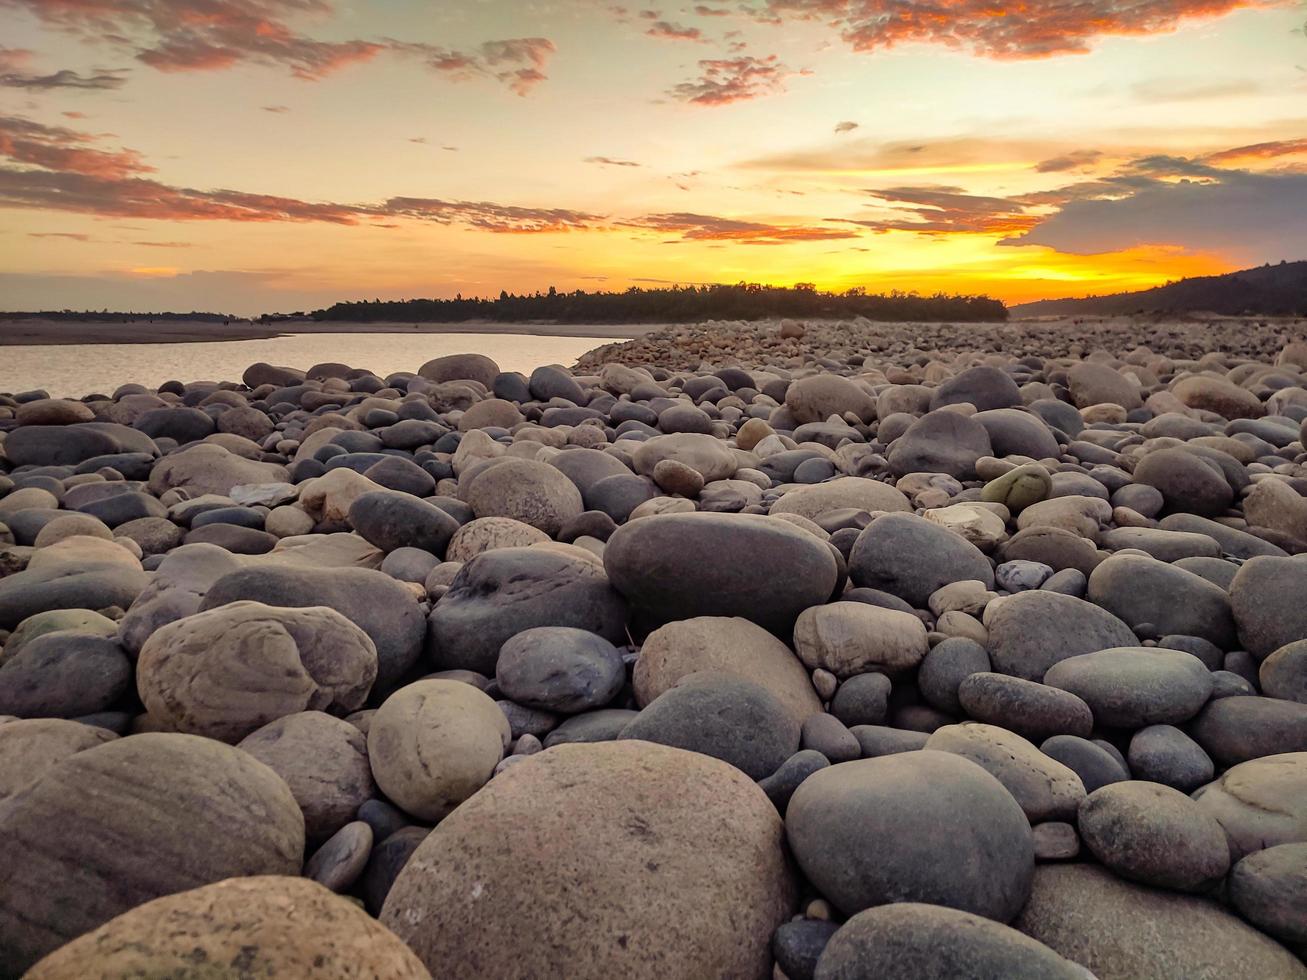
x=75 y=370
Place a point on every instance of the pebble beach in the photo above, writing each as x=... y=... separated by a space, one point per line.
x=790 y=650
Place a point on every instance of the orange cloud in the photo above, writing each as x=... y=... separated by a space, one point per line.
x=993 y=29
x=709 y=228
x=1259 y=151
x=727 y=80
x=56 y=148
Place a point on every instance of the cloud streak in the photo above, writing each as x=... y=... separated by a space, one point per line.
x=999 y=30
x=710 y=228
x=57 y=148
x=212 y=35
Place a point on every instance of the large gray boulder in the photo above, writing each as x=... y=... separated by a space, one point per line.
x=502 y=592
x=171 y=812
x=1031 y=631
x=912 y=941
x=1266 y=597
x=1142 y=591
x=1124 y=931
x=912 y=558
x=940 y=442
x=914 y=827
x=1133 y=687
x=1260 y=803
x=68 y=445
x=678 y=566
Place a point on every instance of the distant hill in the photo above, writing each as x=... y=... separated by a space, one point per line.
x=1271 y=290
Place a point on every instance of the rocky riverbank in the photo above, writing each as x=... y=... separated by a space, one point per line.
x=833 y=651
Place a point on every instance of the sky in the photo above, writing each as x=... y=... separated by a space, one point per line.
x=257 y=155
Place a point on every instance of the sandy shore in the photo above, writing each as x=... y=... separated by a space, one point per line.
x=31 y=332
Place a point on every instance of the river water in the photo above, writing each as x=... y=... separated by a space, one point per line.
x=73 y=370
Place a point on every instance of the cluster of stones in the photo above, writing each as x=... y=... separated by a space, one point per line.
x=845 y=668
x=765 y=343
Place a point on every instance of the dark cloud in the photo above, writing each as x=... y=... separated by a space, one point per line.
x=1074 y=160
x=708 y=228
x=845 y=127
x=1249 y=217
x=98 y=81
x=610 y=162
x=69 y=235
x=276 y=109
x=727 y=80
x=705 y=11
x=997 y=30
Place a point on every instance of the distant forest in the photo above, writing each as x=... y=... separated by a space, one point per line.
x=677 y=304
x=1269 y=290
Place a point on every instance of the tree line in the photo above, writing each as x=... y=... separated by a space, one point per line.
x=674 y=304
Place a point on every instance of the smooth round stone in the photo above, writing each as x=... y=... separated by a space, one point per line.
x=1283 y=674
x=848 y=492
x=917 y=826
x=30 y=747
x=1033 y=711
x=828 y=735
x=1260 y=803
x=69 y=445
x=503 y=592
x=678 y=566
x=560 y=669
x=337 y=864
x=1269 y=889
x=724 y=716
x=911 y=941
x=863 y=700
x=913 y=558
x=797 y=945
x=654 y=841
x=1155 y=835
x=377 y=604
x=434 y=743
x=1133 y=687
x=604 y=725
x=1013 y=432
x=781 y=784
x=850 y=638
x=172 y=812
x=1019 y=488
x=1118 y=929
x=711 y=457
x=490 y=534
x=394 y=520
x=269 y=926
x=73 y=583
x=1164 y=754
x=1142 y=591
x=1266 y=598
x=732 y=645
x=1043 y=787
x=816 y=398
x=461 y=367
x=226 y=672
x=323 y=760
x=940 y=442
x=534 y=493
x=1021 y=576
x=58 y=620
x=1187 y=482
x=944 y=669
x=1032 y=631
x=1238 y=729
x=1095 y=766
x=64 y=675
x=985 y=387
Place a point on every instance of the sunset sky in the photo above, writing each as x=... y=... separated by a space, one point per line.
x=254 y=155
